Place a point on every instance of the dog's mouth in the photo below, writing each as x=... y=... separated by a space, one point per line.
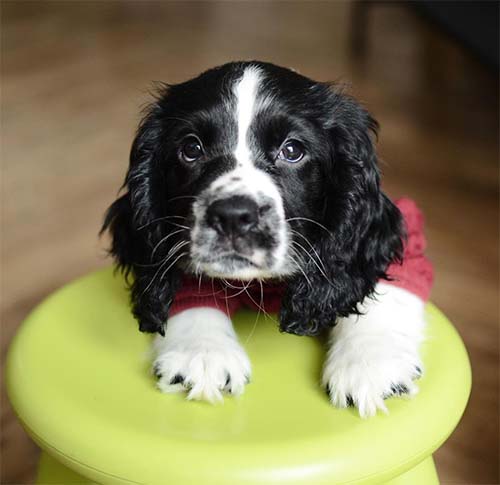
x=231 y=265
x=235 y=258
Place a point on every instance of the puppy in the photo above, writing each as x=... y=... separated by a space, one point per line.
x=254 y=185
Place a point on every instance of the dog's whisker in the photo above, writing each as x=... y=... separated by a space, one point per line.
x=229 y=284
x=159 y=263
x=309 y=220
x=170 y=254
x=200 y=277
x=173 y=262
x=293 y=252
x=261 y=292
x=225 y=300
x=179 y=225
x=313 y=261
x=214 y=293
x=183 y=197
x=241 y=290
x=162 y=241
x=322 y=269
x=260 y=307
x=299 y=257
x=234 y=287
x=175 y=248
x=159 y=219
x=250 y=335
x=312 y=247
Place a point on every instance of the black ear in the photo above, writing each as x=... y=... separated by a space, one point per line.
x=360 y=231
x=135 y=222
x=124 y=243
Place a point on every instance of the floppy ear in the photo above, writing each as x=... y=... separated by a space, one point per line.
x=133 y=223
x=362 y=229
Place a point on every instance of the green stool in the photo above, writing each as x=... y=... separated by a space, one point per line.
x=79 y=379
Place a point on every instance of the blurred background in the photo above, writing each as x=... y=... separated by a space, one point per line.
x=74 y=76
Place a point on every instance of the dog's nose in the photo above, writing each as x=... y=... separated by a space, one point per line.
x=235 y=215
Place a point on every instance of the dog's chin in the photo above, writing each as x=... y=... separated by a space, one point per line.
x=234 y=267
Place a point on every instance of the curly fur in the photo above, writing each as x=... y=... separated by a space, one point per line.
x=352 y=226
x=132 y=221
x=362 y=234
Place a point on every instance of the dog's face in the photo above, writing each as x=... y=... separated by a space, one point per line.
x=252 y=158
x=254 y=171
x=246 y=145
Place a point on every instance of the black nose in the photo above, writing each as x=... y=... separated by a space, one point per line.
x=235 y=215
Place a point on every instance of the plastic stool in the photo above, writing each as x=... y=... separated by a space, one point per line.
x=79 y=379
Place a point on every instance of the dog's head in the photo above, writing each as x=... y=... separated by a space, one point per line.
x=252 y=171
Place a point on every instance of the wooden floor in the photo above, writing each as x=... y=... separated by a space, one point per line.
x=74 y=76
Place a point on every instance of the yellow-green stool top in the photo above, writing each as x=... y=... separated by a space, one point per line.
x=79 y=379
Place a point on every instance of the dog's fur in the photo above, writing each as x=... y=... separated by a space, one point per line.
x=319 y=222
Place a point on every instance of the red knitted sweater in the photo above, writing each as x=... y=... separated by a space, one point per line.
x=415 y=274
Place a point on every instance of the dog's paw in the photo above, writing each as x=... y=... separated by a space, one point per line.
x=204 y=370
x=200 y=354
x=365 y=384
x=375 y=355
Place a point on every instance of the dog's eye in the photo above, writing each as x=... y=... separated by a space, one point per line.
x=292 y=151
x=191 y=149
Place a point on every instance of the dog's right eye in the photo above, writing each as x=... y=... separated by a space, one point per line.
x=191 y=149
x=292 y=151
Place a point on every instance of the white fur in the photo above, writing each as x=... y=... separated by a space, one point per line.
x=200 y=344
x=246 y=98
x=255 y=184
x=370 y=353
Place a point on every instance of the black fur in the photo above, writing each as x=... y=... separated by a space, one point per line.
x=356 y=230
x=136 y=230
x=362 y=229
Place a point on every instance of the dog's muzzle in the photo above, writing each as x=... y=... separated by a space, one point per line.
x=237 y=236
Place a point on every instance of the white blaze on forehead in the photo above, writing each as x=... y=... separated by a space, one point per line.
x=246 y=94
x=245 y=179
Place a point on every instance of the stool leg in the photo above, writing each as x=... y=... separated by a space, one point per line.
x=422 y=474
x=50 y=471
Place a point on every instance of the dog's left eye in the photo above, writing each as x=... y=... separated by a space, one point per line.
x=191 y=149
x=292 y=151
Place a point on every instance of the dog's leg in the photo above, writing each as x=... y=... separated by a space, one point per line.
x=376 y=355
x=200 y=354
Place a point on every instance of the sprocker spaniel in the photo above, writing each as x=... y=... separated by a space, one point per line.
x=254 y=185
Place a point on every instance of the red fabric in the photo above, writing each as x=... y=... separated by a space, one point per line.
x=415 y=274
x=215 y=294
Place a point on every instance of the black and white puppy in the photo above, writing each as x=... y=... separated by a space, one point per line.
x=253 y=172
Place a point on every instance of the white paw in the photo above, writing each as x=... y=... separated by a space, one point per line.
x=365 y=381
x=201 y=357
x=376 y=355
